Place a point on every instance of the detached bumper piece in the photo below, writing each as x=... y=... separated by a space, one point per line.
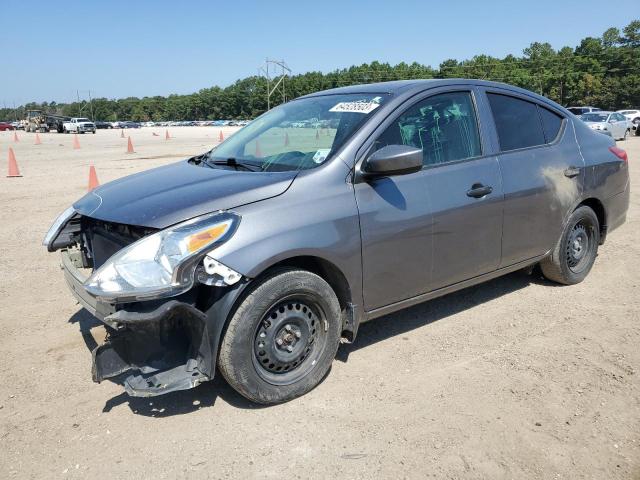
x=166 y=349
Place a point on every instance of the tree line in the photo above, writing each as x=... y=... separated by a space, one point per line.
x=601 y=71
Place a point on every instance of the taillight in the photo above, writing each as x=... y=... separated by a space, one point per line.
x=620 y=153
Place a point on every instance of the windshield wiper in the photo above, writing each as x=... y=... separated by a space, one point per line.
x=232 y=162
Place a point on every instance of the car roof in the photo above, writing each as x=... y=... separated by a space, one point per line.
x=403 y=86
x=409 y=87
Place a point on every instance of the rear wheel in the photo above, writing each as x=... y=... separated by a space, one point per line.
x=574 y=254
x=283 y=337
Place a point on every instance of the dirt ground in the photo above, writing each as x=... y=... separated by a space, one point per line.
x=516 y=378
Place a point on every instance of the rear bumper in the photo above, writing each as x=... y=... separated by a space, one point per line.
x=165 y=345
x=616 y=208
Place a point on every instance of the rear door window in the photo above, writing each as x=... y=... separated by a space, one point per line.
x=517 y=122
x=444 y=126
x=551 y=123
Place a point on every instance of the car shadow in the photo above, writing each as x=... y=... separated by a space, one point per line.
x=431 y=311
x=370 y=333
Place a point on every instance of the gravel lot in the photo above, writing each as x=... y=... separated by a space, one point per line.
x=516 y=378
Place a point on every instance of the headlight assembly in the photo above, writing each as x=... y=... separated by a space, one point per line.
x=57 y=225
x=161 y=264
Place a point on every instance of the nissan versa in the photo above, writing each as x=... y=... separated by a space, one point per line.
x=260 y=255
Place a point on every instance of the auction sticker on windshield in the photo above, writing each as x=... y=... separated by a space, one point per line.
x=355 y=107
x=321 y=154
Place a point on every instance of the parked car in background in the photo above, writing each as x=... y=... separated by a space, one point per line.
x=148 y=124
x=609 y=123
x=259 y=255
x=6 y=126
x=580 y=110
x=634 y=117
x=18 y=125
x=79 y=125
x=103 y=125
x=129 y=124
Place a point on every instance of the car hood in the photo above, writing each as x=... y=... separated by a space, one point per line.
x=167 y=195
x=593 y=124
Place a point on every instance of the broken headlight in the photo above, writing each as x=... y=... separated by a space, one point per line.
x=57 y=225
x=161 y=264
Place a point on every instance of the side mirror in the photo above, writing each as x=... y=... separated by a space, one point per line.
x=393 y=160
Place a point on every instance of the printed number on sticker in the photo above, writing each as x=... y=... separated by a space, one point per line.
x=355 y=107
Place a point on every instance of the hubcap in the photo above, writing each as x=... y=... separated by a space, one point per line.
x=286 y=337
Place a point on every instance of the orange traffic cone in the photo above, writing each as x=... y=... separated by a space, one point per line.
x=13 y=165
x=15 y=137
x=129 y=146
x=258 y=151
x=166 y=135
x=286 y=139
x=317 y=134
x=93 y=178
x=37 y=142
x=221 y=137
x=121 y=133
x=76 y=142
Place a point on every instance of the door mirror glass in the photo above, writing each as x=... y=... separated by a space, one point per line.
x=394 y=160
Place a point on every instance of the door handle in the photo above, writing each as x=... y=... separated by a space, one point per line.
x=572 y=172
x=478 y=190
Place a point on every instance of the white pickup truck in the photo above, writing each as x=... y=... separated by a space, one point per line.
x=79 y=125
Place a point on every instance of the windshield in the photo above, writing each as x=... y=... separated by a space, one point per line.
x=298 y=135
x=83 y=120
x=595 y=117
x=626 y=112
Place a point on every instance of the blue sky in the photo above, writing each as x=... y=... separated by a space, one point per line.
x=139 y=48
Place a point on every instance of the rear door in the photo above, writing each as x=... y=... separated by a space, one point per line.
x=542 y=172
x=438 y=226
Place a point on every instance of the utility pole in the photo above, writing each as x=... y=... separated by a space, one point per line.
x=93 y=119
x=82 y=107
x=280 y=69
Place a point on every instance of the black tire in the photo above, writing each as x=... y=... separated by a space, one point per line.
x=626 y=133
x=574 y=254
x=282 y=339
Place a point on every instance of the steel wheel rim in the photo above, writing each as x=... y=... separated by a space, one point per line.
x=289 y=339
x=580 y=243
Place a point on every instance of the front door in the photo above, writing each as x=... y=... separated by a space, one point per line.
x=438 y=226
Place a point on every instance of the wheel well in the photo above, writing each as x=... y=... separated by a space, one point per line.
x=325 y=269
x=596 y=205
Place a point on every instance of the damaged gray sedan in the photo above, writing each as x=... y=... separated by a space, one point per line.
x=258 y=257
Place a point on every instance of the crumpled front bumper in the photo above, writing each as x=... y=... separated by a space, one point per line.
x=166 y=345
x=168 y=348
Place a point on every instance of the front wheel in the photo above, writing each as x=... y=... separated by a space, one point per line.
x=574 y=254
x=281 y=340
